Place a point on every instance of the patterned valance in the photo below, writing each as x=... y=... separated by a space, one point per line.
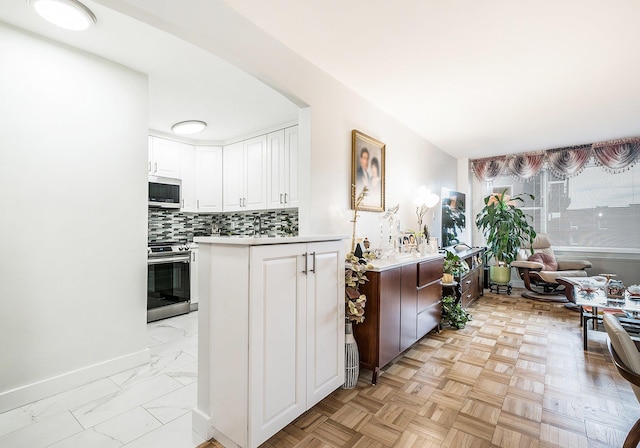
x=614 y=156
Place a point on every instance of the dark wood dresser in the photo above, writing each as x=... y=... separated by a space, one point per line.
x=471 y=284
x=403 y=304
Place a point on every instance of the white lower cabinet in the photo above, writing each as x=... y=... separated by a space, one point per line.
x=275 y=342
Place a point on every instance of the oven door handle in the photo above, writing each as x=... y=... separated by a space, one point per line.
x=164 y=260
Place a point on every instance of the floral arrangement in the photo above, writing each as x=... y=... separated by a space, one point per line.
x=354 y=273
x=354 y=276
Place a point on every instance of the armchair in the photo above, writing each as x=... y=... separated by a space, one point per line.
x=541 y=270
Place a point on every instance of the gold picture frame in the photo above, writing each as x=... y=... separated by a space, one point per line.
x=367 y=157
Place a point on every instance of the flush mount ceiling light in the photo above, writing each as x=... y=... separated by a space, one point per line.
x=67 y=14
x=188 y=127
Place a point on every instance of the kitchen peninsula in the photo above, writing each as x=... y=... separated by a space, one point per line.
x=271 y=333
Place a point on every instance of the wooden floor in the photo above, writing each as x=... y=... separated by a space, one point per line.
x=516 y=376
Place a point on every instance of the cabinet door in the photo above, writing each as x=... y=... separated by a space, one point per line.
x=325 y=319
x=390 y=285
x=166 y=158
x=290 y=168
x=275 y=168
x=255 y=172
x=150 y=155
x=208 y=179
x=188 y=176
x=233 y=176
x=277 y=341
x=408 y=306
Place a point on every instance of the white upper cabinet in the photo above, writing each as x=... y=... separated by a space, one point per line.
x=290 y=183
x=165 y=157
x=188 y=176
x=275 y=146
x=202 y=179
x=283 y=168
x=245 y=175
x=208 y=179
x=233 y=177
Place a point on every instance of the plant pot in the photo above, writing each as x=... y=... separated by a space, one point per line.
x=447 y=278
x=500 y=274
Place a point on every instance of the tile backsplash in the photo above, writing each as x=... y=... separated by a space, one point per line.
x=173 y=225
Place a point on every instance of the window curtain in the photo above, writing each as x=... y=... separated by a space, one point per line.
x=614 y=156
x=617 y=156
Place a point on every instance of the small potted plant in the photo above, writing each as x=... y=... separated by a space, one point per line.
x=453 y=313
x=452 y=266
x=506 y=229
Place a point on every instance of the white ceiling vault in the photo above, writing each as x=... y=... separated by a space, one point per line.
x=476 y=78
x=185 y=82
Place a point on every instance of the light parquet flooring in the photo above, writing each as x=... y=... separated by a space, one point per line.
x=516 y=376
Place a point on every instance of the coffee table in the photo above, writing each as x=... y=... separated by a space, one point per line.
x=628 y=307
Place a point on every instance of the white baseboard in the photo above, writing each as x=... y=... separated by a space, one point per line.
x=22 y=395
x=201 y=424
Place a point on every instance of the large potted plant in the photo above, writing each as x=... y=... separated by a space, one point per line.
x=506 y=229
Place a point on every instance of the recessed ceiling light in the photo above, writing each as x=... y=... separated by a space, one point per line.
x=67 y=14
x=189 y=127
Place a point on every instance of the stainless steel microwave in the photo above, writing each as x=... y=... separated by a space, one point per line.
x=164 y=192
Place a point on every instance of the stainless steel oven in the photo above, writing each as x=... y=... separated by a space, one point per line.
x=168 y=280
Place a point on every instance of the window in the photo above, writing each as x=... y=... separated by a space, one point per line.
x=594 y=210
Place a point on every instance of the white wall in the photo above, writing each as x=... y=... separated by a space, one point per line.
x=334 y=111
x=74 y=218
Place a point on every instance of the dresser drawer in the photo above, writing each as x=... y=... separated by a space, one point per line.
x=429 y=271
x=469 y=290
x=468 y=281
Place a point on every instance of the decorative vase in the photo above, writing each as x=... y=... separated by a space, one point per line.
x=351 y=358
x=500 y=274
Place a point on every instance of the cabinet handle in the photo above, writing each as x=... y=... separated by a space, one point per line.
x=281 y=198
x=182 y=203
x=155 y=167
x=240 y=202
x=194 y=256
x=149 y=166
x=285 y=198
x=468 y=282
x=304 y=271
x=198 y=204
x=313 y=256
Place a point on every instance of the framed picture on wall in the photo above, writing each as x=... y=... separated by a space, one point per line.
x=367 y=170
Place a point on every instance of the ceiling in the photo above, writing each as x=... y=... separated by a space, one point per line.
x=185 y=82
x=475 y=78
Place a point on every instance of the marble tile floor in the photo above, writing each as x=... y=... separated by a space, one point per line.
x=148 y=406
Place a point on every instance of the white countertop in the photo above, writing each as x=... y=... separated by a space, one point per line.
x=401 y=260
x=262 y=241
